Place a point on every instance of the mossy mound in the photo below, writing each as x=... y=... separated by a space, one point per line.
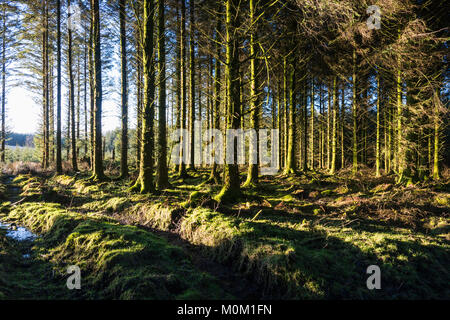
x=117 y=261
x=114 y=204
x=158 y=216
x=292 y=259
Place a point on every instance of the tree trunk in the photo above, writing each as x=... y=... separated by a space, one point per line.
x=231 y=190
x=124 y=93
x=354 y=115
x=162 y=174
x=139 y=82
x=436 y=175
x=71 y=93
x=192 y=86
x=252 y=177
x=333 y=129
x=291 y=164
x=215 y=177
x=182 y=167
x=286 y=110
x=45 y=96
x=3 y=133
x=377 y=155
x=58 y=89
x=145 y=181
x=98 y=173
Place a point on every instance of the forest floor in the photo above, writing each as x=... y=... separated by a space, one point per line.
x=310 y=236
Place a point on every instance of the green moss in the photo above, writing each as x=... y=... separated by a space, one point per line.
x=117 y=261
x=442 y=200
x=303 y=260
x=21 y=178
x=159 y=216
x=295 y=249
x=64 y=180
x=115 y=204
x=327 y=192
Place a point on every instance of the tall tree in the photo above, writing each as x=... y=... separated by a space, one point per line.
x=145 y=182
x=333 y=129
x=354 y=117
x=162 y=172
x=252 y=176
x=215 y=118
x=231 y=189
x=45 y=84
x=124 y=93
x=71 y=88
x=183 y=142
x=59 y=169
x=98 y=173
x=192 y=85
x=291 y=163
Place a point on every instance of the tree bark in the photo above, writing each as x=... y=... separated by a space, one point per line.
x=162 y=172
x=252 y=176
x=145 y=181
x=182 y=167
x=231 y=190
x=124 y=94
x=71 y=93
x=98 y=173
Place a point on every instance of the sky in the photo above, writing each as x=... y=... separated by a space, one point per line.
x=23 y=114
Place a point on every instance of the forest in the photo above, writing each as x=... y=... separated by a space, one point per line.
x=225 y=150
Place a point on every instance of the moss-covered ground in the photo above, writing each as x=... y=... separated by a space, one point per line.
x=310 y=236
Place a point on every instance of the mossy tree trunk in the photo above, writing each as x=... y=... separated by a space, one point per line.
x=71 y=92
x=354 y=115
x=78 y=106
x=377 y=152
x=92 y=94
x=333 y=129
x=400 y=148
x=436 y=175
x=215 y=117
x=98 y=173
x=162 y=172
x=145 y=182
x=45 y=96
x=124 y=93
x=182 y=166
x=3 y=133
x=85 y=84
x=321 y=135
x=231 y=190
x=280 y=126
x=139 y=86
x=252 y=176
x=291 y=164
x=192 y=86
x=285 y=113
x=58 y=89
x=329 y=126
x=178 y=71
x=305 y=126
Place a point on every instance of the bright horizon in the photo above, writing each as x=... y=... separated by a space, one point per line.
x=23 y=114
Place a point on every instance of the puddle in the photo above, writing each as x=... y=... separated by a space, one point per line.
x=17 y=233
